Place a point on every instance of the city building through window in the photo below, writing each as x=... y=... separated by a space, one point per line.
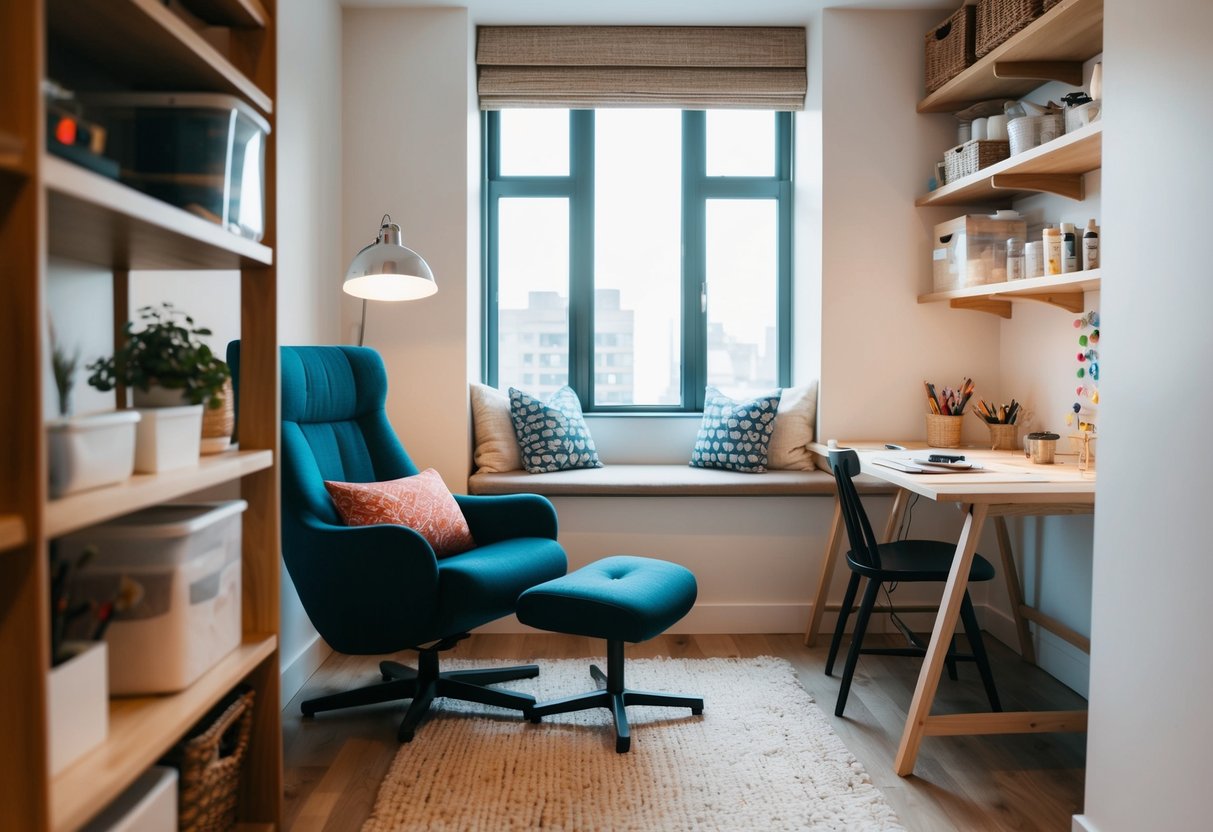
x=638 y=255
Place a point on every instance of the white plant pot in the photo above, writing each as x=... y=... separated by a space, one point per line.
x=77 y=704
x=156 y=396
x=91 y=451
x=168 y=438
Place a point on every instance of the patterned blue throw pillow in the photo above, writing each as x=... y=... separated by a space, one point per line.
x=552 y=436
x=735 y=435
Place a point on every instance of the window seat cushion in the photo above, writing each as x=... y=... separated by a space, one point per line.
x=663 y=481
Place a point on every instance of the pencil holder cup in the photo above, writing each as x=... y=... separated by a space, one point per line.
x=1003 y=437
x=943 y=431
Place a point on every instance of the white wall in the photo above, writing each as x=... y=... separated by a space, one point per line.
x=406 y=139
x=1150 y=730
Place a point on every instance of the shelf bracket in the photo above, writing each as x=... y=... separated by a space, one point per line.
x=1001 y=308
x=1063 y=184
x=1067 y=72
x=1070 y=301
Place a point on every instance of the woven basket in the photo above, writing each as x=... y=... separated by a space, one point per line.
x=219 y=422
x=1050 y=4
x=1027 y=132
x=209 y=765
x=997 y=20
x=970 y=157
x=950 y=47
x=1003 y=437
x=943 y=431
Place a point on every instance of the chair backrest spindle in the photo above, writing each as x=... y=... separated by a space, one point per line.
x=864 y=545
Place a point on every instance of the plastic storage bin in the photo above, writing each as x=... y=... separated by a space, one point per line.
x=149 y=805
x=91 y=451
x=168 y=438
x=77 y=704
x=181 y=565
x=203 y=152
x=972 y=250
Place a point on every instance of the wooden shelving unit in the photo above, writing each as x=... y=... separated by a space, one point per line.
x=141 y=730
x=1056 y=167
x=170 y=55
x=50 y=207
x=1065 y=290
x=12 y=532
x=97 y=220
x=1052 y=47
x=76 y=511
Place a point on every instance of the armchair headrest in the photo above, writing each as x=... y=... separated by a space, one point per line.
x=331 y=384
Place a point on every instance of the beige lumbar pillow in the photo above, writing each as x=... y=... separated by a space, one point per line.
x=795 y=423
x=495 y=443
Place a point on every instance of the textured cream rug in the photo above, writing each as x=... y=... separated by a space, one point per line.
x=761 y=757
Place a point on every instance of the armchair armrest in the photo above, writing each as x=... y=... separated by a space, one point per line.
x=367 y=589
x=497 y=518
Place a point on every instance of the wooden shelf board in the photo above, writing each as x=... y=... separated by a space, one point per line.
x=243 y=14
x=1087 y=281
x=1070 y=31
x=77 y=511
x=141 y=729
x=98 y=220
x=1074 y=153
x=144 y=45
x=12 y=532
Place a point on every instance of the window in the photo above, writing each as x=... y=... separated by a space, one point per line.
x=643 y=253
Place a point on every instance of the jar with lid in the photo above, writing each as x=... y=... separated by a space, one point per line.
x=1015 y=259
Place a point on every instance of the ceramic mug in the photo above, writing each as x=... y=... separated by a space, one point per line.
x=980 y=125
x=996 y=128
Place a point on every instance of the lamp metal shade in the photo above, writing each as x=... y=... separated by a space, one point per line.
x=387 y=270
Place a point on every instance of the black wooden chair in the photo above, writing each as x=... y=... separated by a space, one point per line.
x=902 y=561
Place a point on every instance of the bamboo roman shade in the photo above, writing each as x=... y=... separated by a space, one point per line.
x=681 y=67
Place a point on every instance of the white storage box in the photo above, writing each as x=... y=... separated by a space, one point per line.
x=91 y=451
x=149 y=805
x=78 y=705
x=972 y=250
x=168 y=438
x=181 y=563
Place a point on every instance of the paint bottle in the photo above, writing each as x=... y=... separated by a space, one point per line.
x=1069 y=248
x=1053 y=259
x=1090 y=246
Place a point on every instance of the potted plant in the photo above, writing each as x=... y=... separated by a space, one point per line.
x=85 y=451
x=173 y=375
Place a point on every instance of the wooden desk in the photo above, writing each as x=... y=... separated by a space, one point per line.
x=1010 y=486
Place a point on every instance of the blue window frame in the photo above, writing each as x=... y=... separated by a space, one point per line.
x=724 y=305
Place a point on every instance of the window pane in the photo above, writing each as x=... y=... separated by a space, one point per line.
x=741 y=143
x=534 y=142
x=533 y=294
x=742 y=275
x=637 y=257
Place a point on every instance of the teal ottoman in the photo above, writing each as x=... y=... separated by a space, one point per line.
x=620 y=598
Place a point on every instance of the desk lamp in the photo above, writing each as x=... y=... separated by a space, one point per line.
x=387 y=270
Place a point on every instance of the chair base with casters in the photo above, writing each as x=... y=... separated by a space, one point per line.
x=621 y=599
x=901 y=561
x=426 y=683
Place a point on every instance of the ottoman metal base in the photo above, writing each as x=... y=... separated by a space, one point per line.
x=614 y=697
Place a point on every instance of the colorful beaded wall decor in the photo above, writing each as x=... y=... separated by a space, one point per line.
x=1083 y=412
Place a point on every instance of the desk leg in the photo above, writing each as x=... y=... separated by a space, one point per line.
x=837 y=530
x=1027 y=650
x=941 y=637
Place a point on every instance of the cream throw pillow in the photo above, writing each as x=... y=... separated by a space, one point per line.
x=495 y=443
x=795 y=423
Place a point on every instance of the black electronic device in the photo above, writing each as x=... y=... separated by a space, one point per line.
x=946 y=458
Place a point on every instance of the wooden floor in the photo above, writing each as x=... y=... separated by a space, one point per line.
x=334 y=763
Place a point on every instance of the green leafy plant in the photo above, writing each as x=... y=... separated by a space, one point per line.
x=64 y=365
x=164 y=353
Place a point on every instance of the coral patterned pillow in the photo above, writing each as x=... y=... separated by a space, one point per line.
x=423 y=503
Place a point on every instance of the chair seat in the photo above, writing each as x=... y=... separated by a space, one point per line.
x=483 y=584
x=920 y=560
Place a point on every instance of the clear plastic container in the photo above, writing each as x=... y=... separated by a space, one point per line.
x=972 y=250
x=203 y=152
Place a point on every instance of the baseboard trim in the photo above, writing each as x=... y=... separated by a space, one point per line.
x=307 y=661
x=1082 y=823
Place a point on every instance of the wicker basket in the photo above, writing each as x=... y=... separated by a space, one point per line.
x=1050 y=4
x=1003 y=437
x=219 y=422
x=997 y=20
x=970 y=157
x=943 y=431
x=209 y=763
x=950 y=47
